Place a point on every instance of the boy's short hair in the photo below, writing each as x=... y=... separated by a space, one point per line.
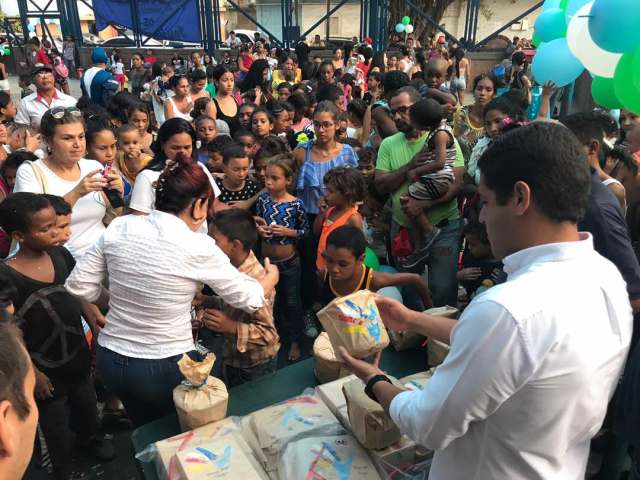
x=233 y=150
x=5 y=99
x=286 y=85
x=348 y=181
x=17 y=209
x=243 y=133
x=218 y=144
x=237 y=224
x=15 y=365
x=59 y=204
x=350 y=238
x=585 y=126
x=477 y=229
x=426 y=114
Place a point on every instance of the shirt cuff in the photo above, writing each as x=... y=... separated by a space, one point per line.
x=398 y=404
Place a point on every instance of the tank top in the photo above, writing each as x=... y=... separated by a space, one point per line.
x=177 y=113
x=328 y=227
x=232 y=121
x=608 y=181
x=327 y=294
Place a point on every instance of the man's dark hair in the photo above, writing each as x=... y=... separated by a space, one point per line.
x=17 y=210
x=237 y=224
x=549 y=159
x=14 y=366
x=350 y=238
x=414 y=95
x=330 y=92
x=59 y=204
x=393 y=81
x=585 y=126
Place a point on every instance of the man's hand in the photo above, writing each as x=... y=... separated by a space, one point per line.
x=362 y=369
x=394 y=314
x=470 y=273
x=414 y=208
x=217 y=321
x=44 y=387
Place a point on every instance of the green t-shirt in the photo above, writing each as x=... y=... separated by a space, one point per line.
x=395 y=152
x=211 y=88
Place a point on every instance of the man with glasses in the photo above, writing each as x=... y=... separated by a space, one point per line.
x=395 y=160
x=32 y=107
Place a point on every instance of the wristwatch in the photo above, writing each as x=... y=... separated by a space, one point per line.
x=368 y=389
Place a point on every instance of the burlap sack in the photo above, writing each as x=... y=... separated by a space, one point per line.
x=327 y=367
x=326 y=457
x=201 y=398
x=225 y=458
x=269 y=429
x=370 y=424
x=354 y=323
x=166 y=466
x=436 y=352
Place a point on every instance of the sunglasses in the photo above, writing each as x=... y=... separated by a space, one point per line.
x=59 y=112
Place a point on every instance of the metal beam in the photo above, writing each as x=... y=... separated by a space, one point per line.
x=324 y=18
x=254 y=21
x=505 y=26
x=430 y=20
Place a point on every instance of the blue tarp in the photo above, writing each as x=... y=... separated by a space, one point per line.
x=174 y=19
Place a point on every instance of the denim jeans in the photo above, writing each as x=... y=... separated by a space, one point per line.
x=145 y=386
x=236 y=376
x=288 y=297
x=442 y=266
x=308 y=248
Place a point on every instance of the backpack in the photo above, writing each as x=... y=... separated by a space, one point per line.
x=60 y=68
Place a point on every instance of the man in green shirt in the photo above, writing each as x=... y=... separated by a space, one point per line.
x=394 y=162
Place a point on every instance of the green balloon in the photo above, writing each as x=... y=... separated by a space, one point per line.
x=535 y=41
x=371 y=259
x=626 y=91
x=603 y=92
x=406 y=20
x=563 y=5
x=636 y=69
x=6 y=51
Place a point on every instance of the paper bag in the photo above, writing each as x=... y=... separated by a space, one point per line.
x=446 y=311
x=201 y=398
x=405 y=340
x=327 y=367
x=338 y=457
x=354 y=323
x=333 y=397
x=225 y=458
x=369 y=422
x=417 y=381
x=165 y=459
x=436 y=352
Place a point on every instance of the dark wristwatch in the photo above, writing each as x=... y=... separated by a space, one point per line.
x=368 y=389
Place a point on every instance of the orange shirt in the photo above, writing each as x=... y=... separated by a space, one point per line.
x=329 y=226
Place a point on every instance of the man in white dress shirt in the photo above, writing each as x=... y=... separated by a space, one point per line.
x=32 y=107
x=534 y=361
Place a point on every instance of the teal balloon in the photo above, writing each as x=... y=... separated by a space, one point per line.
x=406 y=20
x=399 y=28
x=31 y=28
x=387 y=269
x=614 y=25
x=550 y=25
x=573 y=6
x=554 y=62
x=391 y=292
x=626 y=91
x=603 y=92
x=549 y=4
x=371 y=259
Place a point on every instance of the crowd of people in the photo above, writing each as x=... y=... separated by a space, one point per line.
x=202 y=205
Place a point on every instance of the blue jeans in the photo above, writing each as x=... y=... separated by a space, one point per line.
x=288 y=297
x=236 y=376
x=442 y=266
x=144 y=385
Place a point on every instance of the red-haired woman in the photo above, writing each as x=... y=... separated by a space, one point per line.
x=156 y=264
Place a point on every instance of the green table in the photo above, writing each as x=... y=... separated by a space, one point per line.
x=285 y=383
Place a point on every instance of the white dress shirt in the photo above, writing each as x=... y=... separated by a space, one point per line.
x=532 y=366
x=32 y=107
x=155 y=265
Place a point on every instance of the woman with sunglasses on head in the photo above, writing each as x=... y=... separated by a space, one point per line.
x=180 y=104
x=65 y=172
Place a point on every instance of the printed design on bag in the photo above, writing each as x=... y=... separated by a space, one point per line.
x=206 y=457
x=359 y=321
x=328 y=464
x=292 y=415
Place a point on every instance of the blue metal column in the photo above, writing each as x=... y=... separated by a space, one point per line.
x=209 y=30
x=135 y=20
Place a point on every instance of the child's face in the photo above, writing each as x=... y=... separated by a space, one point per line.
x=633 y=139
x=284 y=94
x=130 y=144
x=4 y=134
x=215 y=162
x=248 y=143
x=493 y=122
x=341 y=263
x=9 y=176
x=63 y=229
x=207 y=131
x=435 y=76
x=237 y=170
x=628 y=120
x=282 y=122
x=103 y=148
x=226 y=83
x=341 y=131
x=260 y=125
x=275 y=179
x=140 y=120
x=43 y=233
x=367 y=168
x=260 y=169
x=477 y=247
x=223 y=242
x=333 y=197
x=10 y=110
x=244 y=116
x=373 y=83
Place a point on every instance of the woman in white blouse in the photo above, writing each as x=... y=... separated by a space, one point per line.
x=156 y=264
x=65 y=172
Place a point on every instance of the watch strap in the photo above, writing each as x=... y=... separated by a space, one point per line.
x=368 y=389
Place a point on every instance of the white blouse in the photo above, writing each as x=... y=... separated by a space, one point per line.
x=155 y=265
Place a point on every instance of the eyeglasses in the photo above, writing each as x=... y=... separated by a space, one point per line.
x=59 y=112
x=401 y=110
x=323 y=125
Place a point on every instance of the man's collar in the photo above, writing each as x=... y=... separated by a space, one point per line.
x=40 y=98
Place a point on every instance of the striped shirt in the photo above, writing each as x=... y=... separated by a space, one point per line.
x=288 y=214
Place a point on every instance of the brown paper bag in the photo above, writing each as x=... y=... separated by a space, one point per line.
x=436 y=352
x=327 y=367
x=405 y=340
x=333 y=397
x=353 y=322
x=369 y=422
x=446 y=311
x=201 y=398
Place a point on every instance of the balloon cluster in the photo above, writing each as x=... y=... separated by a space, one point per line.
x=602 y=36
x=404 y=26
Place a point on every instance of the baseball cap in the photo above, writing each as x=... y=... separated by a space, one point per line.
x=98 y=55
x=41 y=68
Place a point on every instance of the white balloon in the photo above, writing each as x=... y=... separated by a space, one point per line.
x=596 y=60
x=408 y=28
